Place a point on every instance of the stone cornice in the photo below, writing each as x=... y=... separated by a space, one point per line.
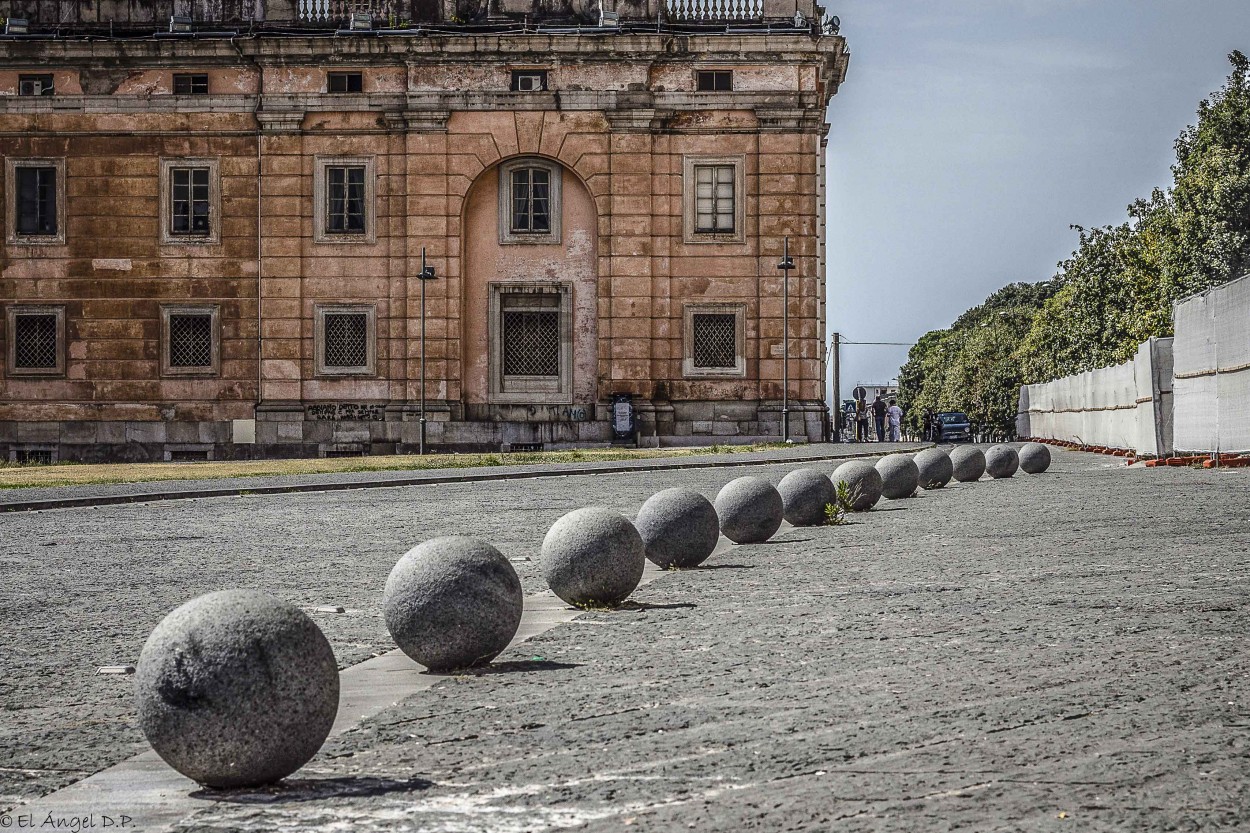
x=280 y=122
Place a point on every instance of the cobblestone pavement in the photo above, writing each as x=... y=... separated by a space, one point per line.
x=1048 y=652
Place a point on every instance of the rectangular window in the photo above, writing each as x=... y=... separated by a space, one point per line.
x=531 y=201
x=345 y=199
x=715 y=340
x=346 y=82
x=36 y=201
x=714 y=199
x=40 y=84
x=189 y=201
x=529 y=80
x=714 y=80
x=191 y=341
x=36 y=342
x=345 y=337
x=190 y=83
x=531 y=342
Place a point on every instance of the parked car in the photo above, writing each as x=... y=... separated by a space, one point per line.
x=952 y=427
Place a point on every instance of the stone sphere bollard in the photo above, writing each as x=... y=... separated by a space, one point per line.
x=863 y=480
x=1034 y=458
x=592 y=556
x=968 y=462
x=236 y=689
x=750 y=510
x=936 y=468
x=452 y=603
x=679 y=528
x=804 y=495
x=1001 y=461
x=899 y=476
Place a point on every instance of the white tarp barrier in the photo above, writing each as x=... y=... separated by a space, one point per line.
x=1115 y=407
x=1212 y=372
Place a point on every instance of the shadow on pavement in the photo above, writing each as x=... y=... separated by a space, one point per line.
x=312 y=789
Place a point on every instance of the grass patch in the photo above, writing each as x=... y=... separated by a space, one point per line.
x=80 y=474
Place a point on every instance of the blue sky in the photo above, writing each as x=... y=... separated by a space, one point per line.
x=970 y=134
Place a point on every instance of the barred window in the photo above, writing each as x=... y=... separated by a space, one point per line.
x=346 y=340
x=345 y=199
x=531 y=342
x=189 y=201
x=715 y=340
x=531 y=201
x=35 y=346
x=190 y=83
x=191 y=341
x=714 y=199
x=36 y=201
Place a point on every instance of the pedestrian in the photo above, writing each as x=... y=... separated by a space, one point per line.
x=878 y=413
x=895 y=414
x=927 y=424
x=861 y=420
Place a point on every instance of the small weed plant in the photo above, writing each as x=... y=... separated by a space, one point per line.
x=837 y=513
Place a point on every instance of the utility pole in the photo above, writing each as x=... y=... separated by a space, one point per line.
x=787 y=263
x=427 y=274
x=837 y=385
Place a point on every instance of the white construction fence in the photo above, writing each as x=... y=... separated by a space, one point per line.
x=1185 y=395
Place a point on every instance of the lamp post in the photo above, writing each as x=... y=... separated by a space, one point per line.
x=427 y=274
x=786 y=264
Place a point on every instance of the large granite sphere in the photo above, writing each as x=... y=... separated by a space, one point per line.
x=679 y=528
x=592 y=556
x=236 y=689
x=936 y=468
x=969 y=463
x=750 y=510
x=1001 y=461
x=1034 y=458
x=864 y=481
x=899 y=476
x=804 y=495
x=452 y=603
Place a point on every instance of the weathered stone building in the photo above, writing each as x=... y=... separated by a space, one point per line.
x=215 y=214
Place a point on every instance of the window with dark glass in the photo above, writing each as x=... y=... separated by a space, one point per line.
x=40 y=84
x=531 y=341
x=189 y=201
x=190 y=83
x=35 y=341
x=529 y=80
x=714 y=199
x=345 y=199
x=714 y=80
x=346 y=336
x=36 y=201
x=531 y=201
x=346 y=82
x=715 y=340
x=191 y=341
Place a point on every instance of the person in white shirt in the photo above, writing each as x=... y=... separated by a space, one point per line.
x=895 y=415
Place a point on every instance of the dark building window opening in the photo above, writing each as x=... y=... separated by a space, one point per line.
x=190 y=83
x=346 y=82
x=189 y=201
x=35 y=344
x=529 y=80
x=531 y=201
x=715 y=340
x=36 y=201
x=714 y=199
x=191 y=341
x=346 y=337
x=345 y=199
x=531 y=342
x=40 y=84
x=714 y=80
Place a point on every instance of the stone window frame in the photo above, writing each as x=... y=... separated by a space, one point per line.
x=321 y=195
x=555 y=177
x=30 y=78
x=12 y=312
x=516 y=73
x=563 y=393
x=688 y=192
x=369 y=368
x=191 y=80
x=712 y=73
x=688 y=369
x=211 y=310
x=346 y=76
x=168 y=236
x=11 y=164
